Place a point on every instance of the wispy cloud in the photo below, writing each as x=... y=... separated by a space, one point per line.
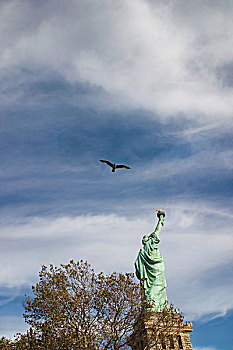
x=204 y=162
x=147 y=55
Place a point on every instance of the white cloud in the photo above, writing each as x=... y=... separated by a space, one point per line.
x=150 y=55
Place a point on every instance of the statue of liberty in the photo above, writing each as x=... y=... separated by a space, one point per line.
x=150 y=267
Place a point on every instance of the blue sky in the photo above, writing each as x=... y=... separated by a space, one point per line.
x=145 y=83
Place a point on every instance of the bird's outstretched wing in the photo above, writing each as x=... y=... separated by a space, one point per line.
x=106 y=162
x=122 y=166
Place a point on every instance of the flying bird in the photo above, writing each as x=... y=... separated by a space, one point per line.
x=114 y=166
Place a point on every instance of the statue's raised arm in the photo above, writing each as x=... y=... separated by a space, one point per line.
x=150 y=267
x=161 y=216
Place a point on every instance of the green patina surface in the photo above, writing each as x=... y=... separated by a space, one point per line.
x=150 y=268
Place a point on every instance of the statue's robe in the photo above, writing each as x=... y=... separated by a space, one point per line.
x=150 y=271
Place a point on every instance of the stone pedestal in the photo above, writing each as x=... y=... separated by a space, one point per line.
x=157 y=332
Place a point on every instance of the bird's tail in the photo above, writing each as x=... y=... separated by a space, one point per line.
x=113 y=170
